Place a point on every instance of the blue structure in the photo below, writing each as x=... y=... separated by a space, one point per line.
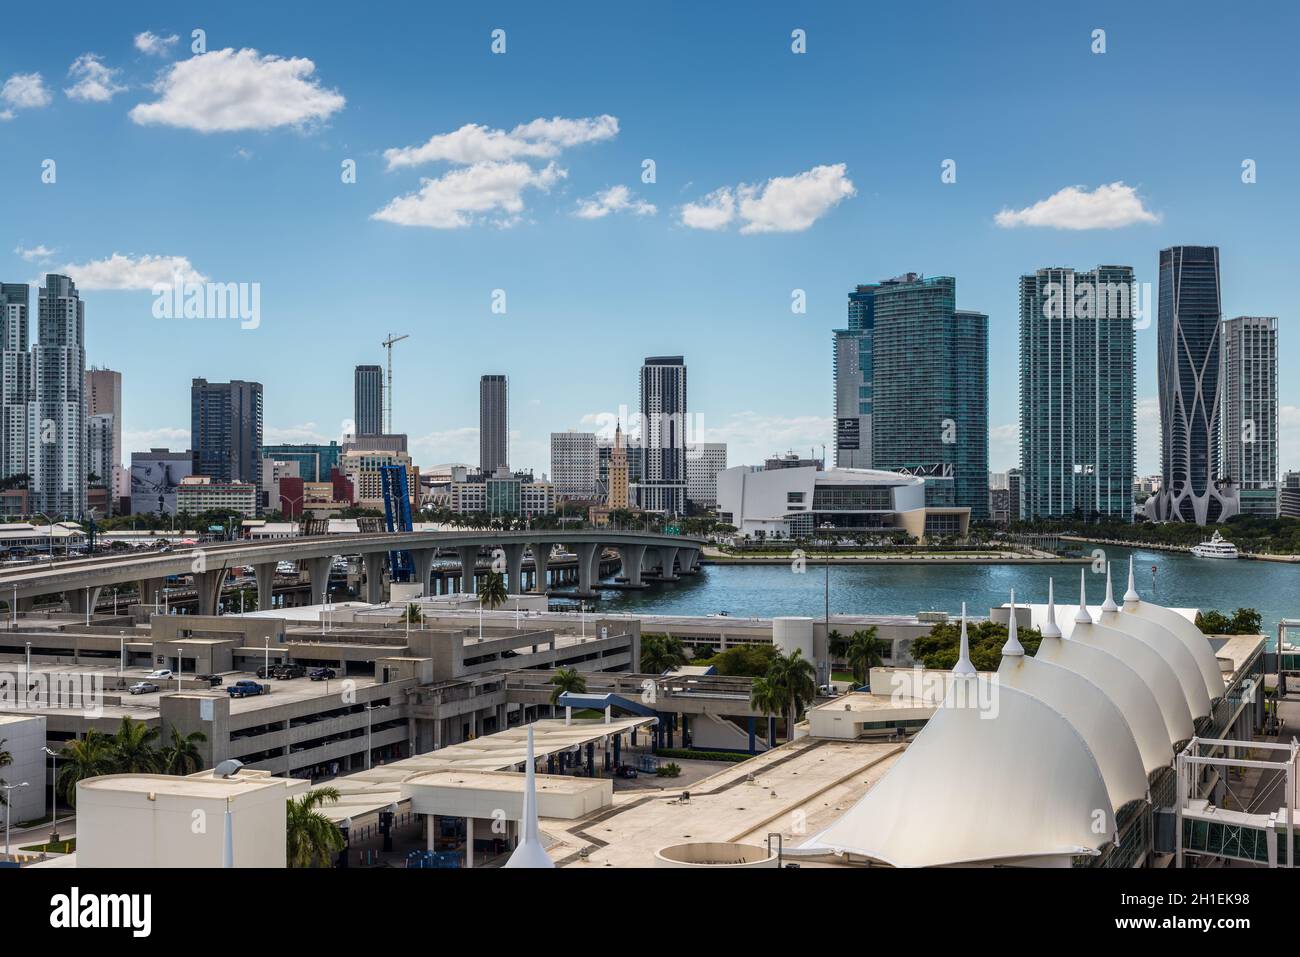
x=397 y=517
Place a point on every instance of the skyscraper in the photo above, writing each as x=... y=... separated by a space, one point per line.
x=104 y=397
x=617 y=481
x=1077 y=375
x=1250 y=422
x=1188 y=352
x=56 y=424
x=704 y=461
x=573 y=463
x=929 y=390
x=663 y=435
x=226 y=430
x=852 y=374
x=368 y=400
x=15 y=379
x=493 y=423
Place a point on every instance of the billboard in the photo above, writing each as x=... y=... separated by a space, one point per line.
x=154 y=478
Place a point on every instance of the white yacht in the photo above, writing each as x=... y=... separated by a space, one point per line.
x=1216 y=547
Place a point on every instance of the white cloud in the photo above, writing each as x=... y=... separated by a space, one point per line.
x=462 y=197
x=25 y=91
x=163 y=437
x=225 y=90
x=154 y=45
x=34 y=254
x=790 y=204
x=1110 y=206
x=715 y=211
x=752 y=437
x=472 y=143
x=127 y=272
x=94 y=82
x=449 y=445
x=1004 y=447
x=1288 y=452
x=616 y=199
x=783 y=204
x=304 y=432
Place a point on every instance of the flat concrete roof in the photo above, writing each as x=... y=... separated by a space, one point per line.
x=499 y=781
x=197 y=787
x=369 y=791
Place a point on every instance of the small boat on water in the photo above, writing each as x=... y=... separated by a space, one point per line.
x=1216 y=547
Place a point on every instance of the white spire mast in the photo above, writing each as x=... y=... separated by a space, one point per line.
x=1013 y=647
x=1083 y=616
x=1051 y=629
x=530 y=852
x=1131 y=597
x=1109 y=603
x=964 y=666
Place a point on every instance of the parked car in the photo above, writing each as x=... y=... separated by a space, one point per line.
x=212 y=680
x=264 y=671
x=625 y=771
x=288 y=671
x=160 y=675
x=143 y=687
x=245 y=688
x=321 y=674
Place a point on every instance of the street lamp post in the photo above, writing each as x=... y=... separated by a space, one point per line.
x=827 y=527
x=9 y=789
x=179 y=663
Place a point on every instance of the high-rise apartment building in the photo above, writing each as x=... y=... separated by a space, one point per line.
x=929 y=390
x=104 y=397
x=1190 y=390
x=368 y=400
x=493 y=423
x=663 y=435
x=56 y=422
x=573 y=463
x=1077 y=387
x=1250 y=416
x=852 y=376
x=226 y=430
x=704 y=461
x=15 y=379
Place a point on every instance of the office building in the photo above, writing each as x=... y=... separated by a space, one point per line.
x=503 y=494
x=315 y=461
x=200 y=493
x=662 y=487
x=1288 y=499
x=15 y=379
x=573 y=464
x=1016 y=488
x=1250 y=420
x=362 y=466
x=852 y=371
x=100 y=468
x=104 y=397
x=155 y=477
x=56 y=423
x=226 y=430
x=1189 y=390
x=704 y=461
x=929 y=390
x=368 y=400
x=1077 y=386
x=493 y=423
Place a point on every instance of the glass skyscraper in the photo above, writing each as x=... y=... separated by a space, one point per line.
x=852 y=372
x=1077 y=376
x=226 y=430
x=368 y=400
x=1250 y=424
x=1189 y=383
x=929 y=390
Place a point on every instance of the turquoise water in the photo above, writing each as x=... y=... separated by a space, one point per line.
x=1180 y=581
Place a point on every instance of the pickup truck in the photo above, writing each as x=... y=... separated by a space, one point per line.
x=245 y=688
x=287 y=671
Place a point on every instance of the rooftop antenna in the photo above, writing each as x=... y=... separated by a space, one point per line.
x=530 y=852
x=388 y=344
x=964 y=666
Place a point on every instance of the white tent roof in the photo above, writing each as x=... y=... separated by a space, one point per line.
x=1005 y=783
x=1171 y=648
x=1191 y=636
x=1095 y=716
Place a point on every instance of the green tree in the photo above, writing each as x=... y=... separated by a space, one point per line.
x=567 y=680
x=182 y=755
x=311 y=838
x=492 y=591
x=940 y=648
x=864 y=653
x=793 y=678
x=838 y=645
x=1244 y=621
x=745 y=661
x=765 y=697
x=412 y=613
x=88 y=757
x=660 y=653
x=134 y=748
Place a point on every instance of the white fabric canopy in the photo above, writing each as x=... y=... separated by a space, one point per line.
x=1170 y=647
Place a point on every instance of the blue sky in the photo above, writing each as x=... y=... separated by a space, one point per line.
x=832 y=160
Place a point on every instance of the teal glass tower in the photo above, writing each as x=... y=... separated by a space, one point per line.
x=1077 y=377
x=929 y=390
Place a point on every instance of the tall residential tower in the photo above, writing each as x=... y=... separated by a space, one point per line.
x=368 y=400
x=1250 y=422
x=226 y=430
x=663 y=435
x=493 y=423
x=56 y=423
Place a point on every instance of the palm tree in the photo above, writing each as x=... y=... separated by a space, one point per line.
x=794 y=677
x=838 y=645
x=864 y=653
x=182 y=755
x=567 y=681
x=6 y=759
x=492 y=591
x=89 y=757
x=311 y=838
x=660 y=653
x=764 y=697
x=134 y=750
x=412 y=613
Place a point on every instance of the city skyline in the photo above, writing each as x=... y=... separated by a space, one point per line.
x=579 y=242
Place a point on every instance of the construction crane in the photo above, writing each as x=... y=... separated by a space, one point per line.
x=388 y=344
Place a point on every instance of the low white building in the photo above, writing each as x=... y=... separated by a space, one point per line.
x=23 y=736
x=198 y=493
x=799 y=502
x=704 y=462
